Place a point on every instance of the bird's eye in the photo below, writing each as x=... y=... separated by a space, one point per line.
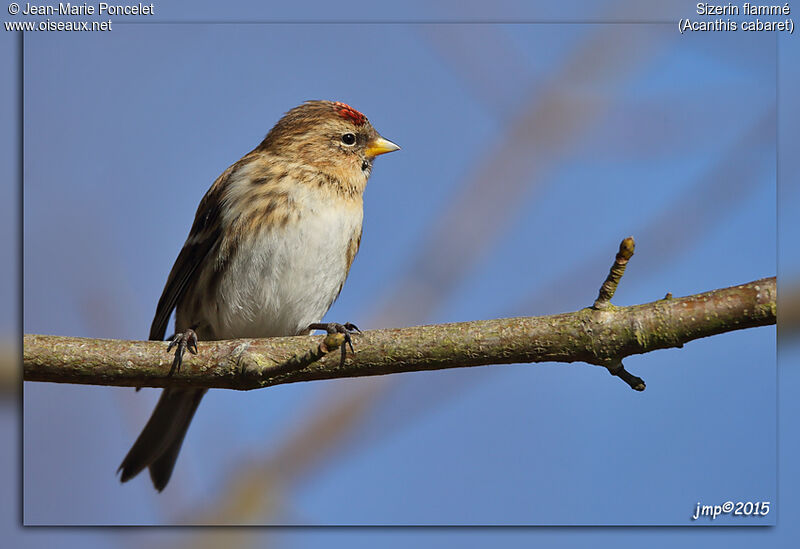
x=348 y=139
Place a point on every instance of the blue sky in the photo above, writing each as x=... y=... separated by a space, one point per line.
x=529 y=151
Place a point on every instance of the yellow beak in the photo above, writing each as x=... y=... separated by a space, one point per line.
x=379 y=145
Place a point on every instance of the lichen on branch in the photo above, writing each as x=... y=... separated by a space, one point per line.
x=594 y=336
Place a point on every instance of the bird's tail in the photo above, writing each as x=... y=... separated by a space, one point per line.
x=160 y=441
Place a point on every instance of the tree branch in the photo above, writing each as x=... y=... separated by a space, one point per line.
x=597 y=336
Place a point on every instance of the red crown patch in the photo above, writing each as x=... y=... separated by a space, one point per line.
x=346 y=111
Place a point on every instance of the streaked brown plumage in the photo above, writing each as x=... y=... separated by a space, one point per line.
x=269 y=250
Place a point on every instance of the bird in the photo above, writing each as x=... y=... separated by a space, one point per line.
x=268 y=252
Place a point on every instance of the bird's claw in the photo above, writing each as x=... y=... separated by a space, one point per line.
x=181 y=342
x=336 y=328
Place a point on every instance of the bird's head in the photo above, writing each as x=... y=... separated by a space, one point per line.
x=330 y=136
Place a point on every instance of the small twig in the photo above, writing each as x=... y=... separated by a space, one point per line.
x=617 y=369
x=609 y=287
x=603 y=302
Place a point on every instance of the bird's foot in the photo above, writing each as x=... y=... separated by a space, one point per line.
x=181 y=342
x=336 y=328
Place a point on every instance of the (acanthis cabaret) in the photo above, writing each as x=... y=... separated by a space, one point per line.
x=269 y=250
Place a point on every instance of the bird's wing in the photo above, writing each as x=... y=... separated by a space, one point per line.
x=204 y=237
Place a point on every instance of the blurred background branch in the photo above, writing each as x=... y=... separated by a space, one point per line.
x=9 y=369
x=790 y=311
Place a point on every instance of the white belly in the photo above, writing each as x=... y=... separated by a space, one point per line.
x=286 y=278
